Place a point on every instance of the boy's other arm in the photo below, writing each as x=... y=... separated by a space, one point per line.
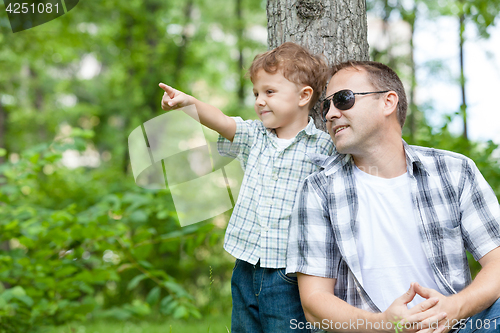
x=208 y=115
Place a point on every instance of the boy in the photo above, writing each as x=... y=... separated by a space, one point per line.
x=287 y=82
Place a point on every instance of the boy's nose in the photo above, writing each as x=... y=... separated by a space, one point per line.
x=260 y=101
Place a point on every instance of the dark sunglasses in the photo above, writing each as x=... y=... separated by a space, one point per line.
x=342 y=100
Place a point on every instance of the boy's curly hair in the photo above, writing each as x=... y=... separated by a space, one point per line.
x=296 y=64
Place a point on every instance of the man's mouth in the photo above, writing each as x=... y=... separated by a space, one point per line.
x=340 y=128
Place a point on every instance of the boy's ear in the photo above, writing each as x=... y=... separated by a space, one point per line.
x=305 y=95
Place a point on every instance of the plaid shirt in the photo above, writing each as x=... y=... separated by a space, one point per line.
x=258 y=228
x=455 y=208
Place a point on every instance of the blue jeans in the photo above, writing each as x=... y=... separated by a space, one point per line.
x=265 y=300
x=485 y=321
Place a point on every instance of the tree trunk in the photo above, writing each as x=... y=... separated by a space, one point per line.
x=463 y=107
x=241 y=70
x=179 y=63
x=412 y=117
x=335 y=28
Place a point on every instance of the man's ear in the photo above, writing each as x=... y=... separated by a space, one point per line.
x=390 y=100
x=305 y=95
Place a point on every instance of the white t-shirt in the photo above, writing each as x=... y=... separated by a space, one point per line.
x=388 y=241
x=283 y=143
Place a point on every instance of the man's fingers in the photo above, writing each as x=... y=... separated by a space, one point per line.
x=422 y=321
x=440 y=329
x=422 y=291
x=425 y=305
x=408 y=296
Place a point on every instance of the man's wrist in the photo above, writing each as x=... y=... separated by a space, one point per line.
x=380 y=322
x=460 y=304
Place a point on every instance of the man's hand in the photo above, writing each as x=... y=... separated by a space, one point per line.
x=174 y=99
x=421 y=318
x=445 y=304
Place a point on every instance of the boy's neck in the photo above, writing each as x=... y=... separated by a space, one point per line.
x=292 y=130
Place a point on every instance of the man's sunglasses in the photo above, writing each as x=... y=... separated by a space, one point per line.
x=342 y=100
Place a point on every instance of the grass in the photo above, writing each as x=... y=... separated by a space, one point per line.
x=208 y=324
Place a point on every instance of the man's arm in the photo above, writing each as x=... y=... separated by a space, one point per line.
x=207 y=114
x=322 y=306
x=478 y=296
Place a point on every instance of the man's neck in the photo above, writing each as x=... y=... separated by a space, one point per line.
x=385 y=160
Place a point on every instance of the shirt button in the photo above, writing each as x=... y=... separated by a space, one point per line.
x=275 y=177
x=270 y=202
x=265 y=229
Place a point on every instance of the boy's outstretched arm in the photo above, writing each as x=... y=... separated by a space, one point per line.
x=208 y=115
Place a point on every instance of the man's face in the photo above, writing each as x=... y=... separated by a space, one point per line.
x=277 y=101
x=356 y=129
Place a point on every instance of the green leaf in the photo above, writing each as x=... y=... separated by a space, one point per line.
x=139 y=216
x=154 y=295
x=181 y=312
x=176 y=289
x=145 y=264
x=3 y=152
x=26 y=300
x=135 y=281
x=34 y=159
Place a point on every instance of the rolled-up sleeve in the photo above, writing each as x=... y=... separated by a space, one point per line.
x=480 y=213
x=244 y=137
x=311 y=244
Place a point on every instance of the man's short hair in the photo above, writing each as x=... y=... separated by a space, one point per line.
x=296 y=64
x=381 y=77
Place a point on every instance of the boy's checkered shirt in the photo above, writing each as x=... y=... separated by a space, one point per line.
x=455 y=208
x=258 y=228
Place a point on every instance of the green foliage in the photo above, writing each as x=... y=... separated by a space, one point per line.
x=123 y=246
x=87 y=242
x=208 y=324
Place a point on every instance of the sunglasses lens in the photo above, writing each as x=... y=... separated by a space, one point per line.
x=343 y=100
x=325 y=107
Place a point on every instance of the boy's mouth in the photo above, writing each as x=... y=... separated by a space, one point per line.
x=263 y=112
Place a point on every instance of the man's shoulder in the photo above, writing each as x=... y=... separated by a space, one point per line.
x=438 y=161
x=429 y=156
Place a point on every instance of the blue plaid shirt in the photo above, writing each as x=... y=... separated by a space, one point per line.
x=258 y=228
x=455 y=208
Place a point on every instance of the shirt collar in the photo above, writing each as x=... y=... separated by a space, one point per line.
x=335 y=162
x=413 y=162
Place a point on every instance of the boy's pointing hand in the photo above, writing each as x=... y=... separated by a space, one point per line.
x=174 y=99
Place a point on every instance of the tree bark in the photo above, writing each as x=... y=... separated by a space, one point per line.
x=463 y=107
x=179 y=63
x=335 y=28
x=241 y=70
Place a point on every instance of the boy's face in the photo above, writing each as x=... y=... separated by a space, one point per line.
x=278 y=103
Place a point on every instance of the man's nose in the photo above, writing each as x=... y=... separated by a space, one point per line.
x=333 y=113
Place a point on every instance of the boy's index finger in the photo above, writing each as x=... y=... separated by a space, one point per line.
x=169 y=90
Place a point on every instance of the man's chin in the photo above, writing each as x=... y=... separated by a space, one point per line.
x=342 y=148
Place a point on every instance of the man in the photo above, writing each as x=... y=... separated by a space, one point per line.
x=382 y=216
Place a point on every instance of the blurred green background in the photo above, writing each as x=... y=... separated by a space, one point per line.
x=82 y=247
